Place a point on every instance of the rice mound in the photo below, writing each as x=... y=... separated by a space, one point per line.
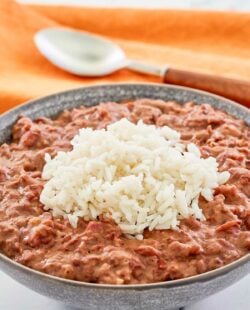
x=139 y=175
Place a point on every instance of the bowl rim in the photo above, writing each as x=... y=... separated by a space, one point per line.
x=237 y=105
x=164 y=284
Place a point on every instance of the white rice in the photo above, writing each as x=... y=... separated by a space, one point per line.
x=138 y=175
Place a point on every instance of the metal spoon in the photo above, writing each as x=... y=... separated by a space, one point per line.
x=85 y=54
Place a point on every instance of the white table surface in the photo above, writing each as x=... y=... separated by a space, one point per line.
x=14 y=296
x=186 y=4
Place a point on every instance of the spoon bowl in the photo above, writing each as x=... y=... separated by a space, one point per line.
x=80 y=53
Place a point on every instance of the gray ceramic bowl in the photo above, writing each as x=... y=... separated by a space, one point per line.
x=159 y=296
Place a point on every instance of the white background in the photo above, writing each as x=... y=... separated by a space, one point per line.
x=203 y=4
x=14 y=296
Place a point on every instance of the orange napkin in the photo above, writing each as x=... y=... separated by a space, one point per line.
x=212 y=42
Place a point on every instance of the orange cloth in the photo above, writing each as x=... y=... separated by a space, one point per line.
x=212 y=42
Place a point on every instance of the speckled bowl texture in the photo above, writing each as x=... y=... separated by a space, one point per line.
x=157 y=296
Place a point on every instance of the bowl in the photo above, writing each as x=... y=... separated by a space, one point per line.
x=158 y=296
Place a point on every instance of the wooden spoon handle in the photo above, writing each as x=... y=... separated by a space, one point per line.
x=236 y=90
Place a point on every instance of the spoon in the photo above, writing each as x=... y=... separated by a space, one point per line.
x=84 y=54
